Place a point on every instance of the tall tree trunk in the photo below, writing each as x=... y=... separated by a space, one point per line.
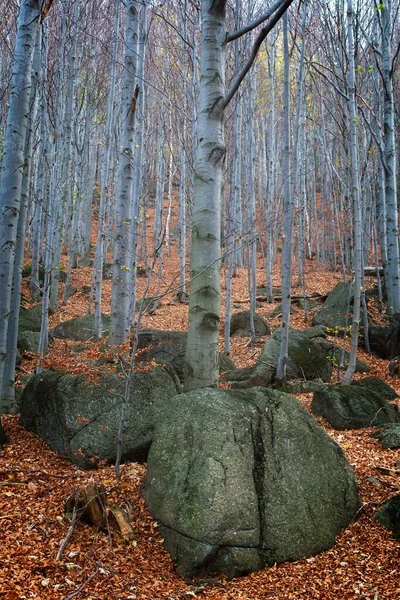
x=355 y=181
x=392 y=223
x=8 y=384
x=287 y=218
x=14 y=159
x=101 y=251
x=122 y=251
x=201 y=360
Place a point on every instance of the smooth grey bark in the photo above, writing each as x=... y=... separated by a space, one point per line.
x=37 y=233
x=122 y=247
x=251 y=206
x=392 y=222
x=287 y=244
x=105 y=183
x=65 y=188
x=14 y=158
x=271 y=169
x=7 y=400
x=355 y=192
x=139 y=152
x=201 y=359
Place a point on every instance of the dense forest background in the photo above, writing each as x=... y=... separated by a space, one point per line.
x=165 y=165
x=107 y=96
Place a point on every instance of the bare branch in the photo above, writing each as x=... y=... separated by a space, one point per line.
x=256 y=46
x=250 y=26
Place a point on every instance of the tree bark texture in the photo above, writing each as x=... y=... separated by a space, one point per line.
x=201 y=360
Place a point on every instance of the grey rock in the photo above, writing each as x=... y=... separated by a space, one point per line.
x=352 y=407
x=85 y=261
x=307 y=360
x=71 y=291
x=28 y=341
x=277 y=311
x=339 y=357
x=240 y=324
x=385 y=339
x=378 y=386
x=389 y=437
x=389 y=515
x=27 y=270
x=81 y=328
x=242 y=479
x=77 y=417
x=334 y=313
x=169 y=347
x=107 y=271
x=30 y=319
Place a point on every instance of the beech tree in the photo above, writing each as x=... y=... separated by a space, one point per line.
x=14 y=160
x=201 y=359
x=121 y=300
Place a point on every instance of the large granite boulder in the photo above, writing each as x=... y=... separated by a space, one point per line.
x=169 y=347
x=240 y=324
x=389 y=515
x=380 y=387
x=389 y=436
x=353 y=407
x=80 y=328
x=242 y=479
x=306 y=359
x=80 y=419
x=30 y=319
x=340 y=357
x=334 y=313
x=384 y=339
x=28 y=341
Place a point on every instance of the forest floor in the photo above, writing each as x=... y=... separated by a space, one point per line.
x=35 y=483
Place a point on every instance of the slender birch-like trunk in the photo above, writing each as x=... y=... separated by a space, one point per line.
x=8 y=385
x=14 y=158
x=105 y=182
x=355 y=189
x=201 y=360
x=271 y=169
x=392 y=222
x=122 y=251
x=287 y=245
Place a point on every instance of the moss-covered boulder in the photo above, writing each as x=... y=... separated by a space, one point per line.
x=306 y=360
x=384 y=339
x=80 y=419
x=81 y=328
x=27 y=270
x=353 y=407
x=389 y=515
x=107 y=271
x=30 y=319
x=169 y=347
x=242 y=479
x=28 y=341
x=340 y=357
x=335 y=311
x=240 y=324
x=380 y=387
x=389 y=436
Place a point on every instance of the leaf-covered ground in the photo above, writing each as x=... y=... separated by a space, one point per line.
x=35 y=482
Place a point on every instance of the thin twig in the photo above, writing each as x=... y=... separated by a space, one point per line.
x=70 y=531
